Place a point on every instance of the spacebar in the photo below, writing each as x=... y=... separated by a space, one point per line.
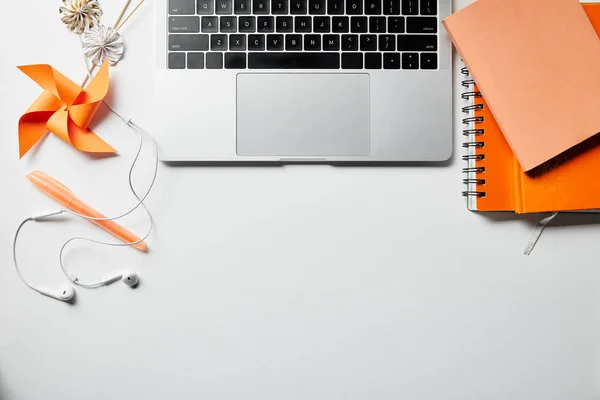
x=294 y=60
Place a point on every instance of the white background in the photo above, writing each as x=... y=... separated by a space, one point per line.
x=296 y=282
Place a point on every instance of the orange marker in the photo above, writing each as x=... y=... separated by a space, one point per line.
x=66 y=197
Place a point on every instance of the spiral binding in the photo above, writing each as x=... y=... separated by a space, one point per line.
x=473 y=139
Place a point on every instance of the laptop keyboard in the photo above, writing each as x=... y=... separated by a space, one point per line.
x=303 y=34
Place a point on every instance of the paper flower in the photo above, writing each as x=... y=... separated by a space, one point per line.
x=80 y=15
x=65 y=109
x=101 y=43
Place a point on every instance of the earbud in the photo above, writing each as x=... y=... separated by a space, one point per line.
x=128 y=278
x=66 y=293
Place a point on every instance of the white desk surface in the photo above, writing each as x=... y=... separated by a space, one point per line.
x=296 y=282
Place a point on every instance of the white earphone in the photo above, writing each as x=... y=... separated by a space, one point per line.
x=128 y=278
x=64 y=294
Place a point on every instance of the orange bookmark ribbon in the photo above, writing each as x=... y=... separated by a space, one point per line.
x=65 y=109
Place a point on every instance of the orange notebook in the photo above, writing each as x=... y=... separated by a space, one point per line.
x=496 y=182
x=537 y=64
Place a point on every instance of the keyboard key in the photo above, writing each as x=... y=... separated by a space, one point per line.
x=206 y=6
x=228 y=24
x=335 y=7
x=391 y=60
x=237 y=42
x=302 y=24
x=218 y=42
x=410 y=60
x=223 y=6
x=352 y=61
x=195 y=60
x=176 y=60
x=331 y=42
x=391 y=7
x=188 y=42
x=316 y=7
x=372 y=60
x=184 y=24
x=429 y=60
x=340 y=24
x=279 y=6
x=293 y=42
x=247 y=24
x=428 y=7
x=214 y=60
x=368 y=42
x=209 y=24
x=372 y=7
x=312 y=42
x=284 y=24
x=421 y=25
x=349 y=42
x=266 y=24
x=358 y=25
x=241 y=6
x=417 y=42
x=410 y=7
x=377 y=24
x=322 y=24
x=182 y=7
x=294 y=60
x=396 y=24
x=387 y=43
x=274 y=42
x=298 y=7
x=256 y=42
x=354 y=7
x=261 y=7
x=235 y=60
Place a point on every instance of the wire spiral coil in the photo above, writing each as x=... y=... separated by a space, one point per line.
x=473 y=138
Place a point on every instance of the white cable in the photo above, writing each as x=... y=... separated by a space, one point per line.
x=15 y=253
x=72 y=278
x=62 y=249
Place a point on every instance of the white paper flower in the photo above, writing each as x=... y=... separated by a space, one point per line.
x=80 y=15
x=101 y=43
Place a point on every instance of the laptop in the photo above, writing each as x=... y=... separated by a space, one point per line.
x=322 y=81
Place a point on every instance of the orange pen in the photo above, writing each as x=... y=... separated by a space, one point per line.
x=67 y=198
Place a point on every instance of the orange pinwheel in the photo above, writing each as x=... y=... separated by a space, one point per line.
x=65 y=109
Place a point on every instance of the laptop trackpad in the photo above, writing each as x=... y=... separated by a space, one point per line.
x=303 y=114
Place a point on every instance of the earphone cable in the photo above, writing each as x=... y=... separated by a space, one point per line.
x=62 y=249
x=131 y=187
x=26 y=220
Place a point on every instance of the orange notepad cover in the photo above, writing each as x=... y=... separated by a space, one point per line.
x=537 y=64
x=574 y=185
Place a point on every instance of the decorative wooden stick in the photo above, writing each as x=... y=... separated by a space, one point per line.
x=123 y=10
x=130 y=14
x=125 y=7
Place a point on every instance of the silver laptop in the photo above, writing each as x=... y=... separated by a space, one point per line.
x=303 y=80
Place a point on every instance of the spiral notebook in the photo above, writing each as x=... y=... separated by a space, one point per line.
x=496 y=182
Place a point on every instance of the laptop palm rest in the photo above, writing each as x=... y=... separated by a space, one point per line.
x=304 y=115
